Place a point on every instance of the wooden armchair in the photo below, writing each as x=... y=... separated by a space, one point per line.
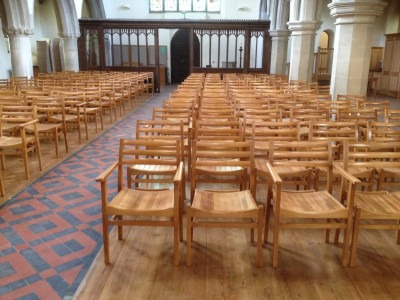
x=23 y=116
x=235 y=208
x=379 y=209
x=140 y=202
x=46 y=128
x=262 y=134
x=310 y=208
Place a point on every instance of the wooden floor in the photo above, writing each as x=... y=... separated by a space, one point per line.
x=223 y=267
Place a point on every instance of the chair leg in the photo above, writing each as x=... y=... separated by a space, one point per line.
x=398 y=234
x=189 y=236
x=25 y=157
x=106 y=241
x=101 y=119
x=2 y=191
x=259 y=235
x=56 y=142
x=354 y=242
x=65 y=139
x=176 y=241
x=120 y=232
x=275 y=245
x=267 y=214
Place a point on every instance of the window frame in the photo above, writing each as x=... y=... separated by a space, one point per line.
x=184 y=11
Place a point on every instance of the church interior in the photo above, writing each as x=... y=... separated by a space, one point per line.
x=243 y=125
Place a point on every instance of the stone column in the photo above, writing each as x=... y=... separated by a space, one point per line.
x=21 y=51
x=277 y=11
x=71 y=57
x=353 y=41
x=304 y=22
x=279 y=50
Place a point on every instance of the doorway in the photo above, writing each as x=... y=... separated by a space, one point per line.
x=180 y=55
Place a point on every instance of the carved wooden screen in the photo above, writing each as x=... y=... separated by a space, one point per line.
x=124 y=45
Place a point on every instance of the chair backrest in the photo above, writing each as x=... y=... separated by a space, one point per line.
x=218 y=130
x=278 y=131
x=306 y=154
x=371 y=155
x=333 y=131
x=392 y=115
x=383 y=131
x=16 y=114
x=223 y=154
x=161 y=130
x=149 y=153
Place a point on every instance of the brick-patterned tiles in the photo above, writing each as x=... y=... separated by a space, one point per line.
x=51 y=231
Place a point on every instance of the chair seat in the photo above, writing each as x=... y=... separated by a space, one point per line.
x=142 y=203
x=378 y=205
x=260 y=165
x=311 y=204
x=159 y=169
x=390 y=171
x=44 y=127
x=219 y=170
x=89 y=110
x=355 y=171
x=236 y=204
x=68 y=118
x=11 y=141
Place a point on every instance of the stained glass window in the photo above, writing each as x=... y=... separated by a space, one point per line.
x=185 y=5
x=199 y=5
x=213 y=5
x=171 y=5
x=156 y=5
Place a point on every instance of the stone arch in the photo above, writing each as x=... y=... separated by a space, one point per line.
x=96 y=9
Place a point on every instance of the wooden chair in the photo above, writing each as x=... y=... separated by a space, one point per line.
x=262 y=134
x=24 y=142
x=47 y=129
x=140 y=202
x=310 y=207
x=236 y=208
x=219 y=162
x=379 y=209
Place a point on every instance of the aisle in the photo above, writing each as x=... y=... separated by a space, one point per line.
x=51 y=231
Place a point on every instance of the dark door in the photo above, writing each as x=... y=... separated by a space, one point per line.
x=180 y=56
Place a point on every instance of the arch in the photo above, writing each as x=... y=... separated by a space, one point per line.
x=95 y=8
x=326 y=39
x=67 y=19
x=180 y=56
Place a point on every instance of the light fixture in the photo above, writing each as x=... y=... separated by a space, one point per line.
x=125 y=7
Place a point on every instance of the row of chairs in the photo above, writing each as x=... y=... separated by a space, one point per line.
x=218 y=152
x=47 y=112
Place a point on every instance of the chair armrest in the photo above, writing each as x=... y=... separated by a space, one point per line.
x=179 y=173
x=103 y=176
x=28 y=123
x=274 y=175
x=352 y=179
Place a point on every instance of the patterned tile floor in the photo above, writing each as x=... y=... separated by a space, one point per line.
x=51 y=231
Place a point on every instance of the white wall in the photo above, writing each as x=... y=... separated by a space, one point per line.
x=45 y=25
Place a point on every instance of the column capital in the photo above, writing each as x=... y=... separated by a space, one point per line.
x=280 y=33
x=17 y=31
x=304 y=27
x=356 y=11
x=69 y=35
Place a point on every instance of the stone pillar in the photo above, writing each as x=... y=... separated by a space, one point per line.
x=353 y=41
x=279 y=50
x=304 y=22
x=71 y=60
x=21 y=52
